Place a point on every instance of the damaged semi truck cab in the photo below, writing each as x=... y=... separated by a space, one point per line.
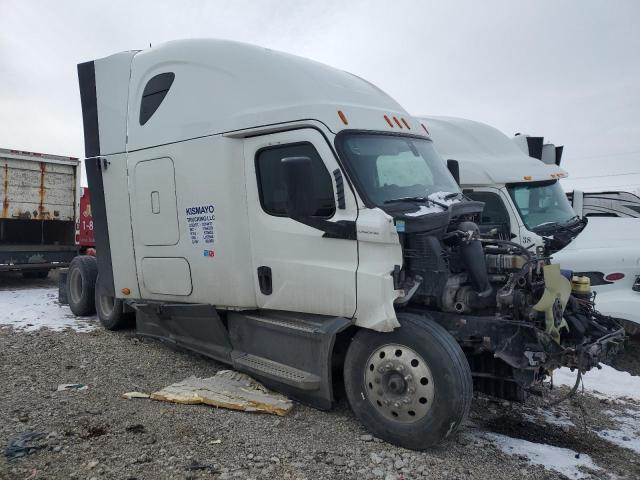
x=294 y=221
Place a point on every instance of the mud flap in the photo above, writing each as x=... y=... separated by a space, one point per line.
x=196 y=327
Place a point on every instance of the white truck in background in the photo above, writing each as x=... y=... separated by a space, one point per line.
x=585 y=204
x=39 y=195
x=525 y=202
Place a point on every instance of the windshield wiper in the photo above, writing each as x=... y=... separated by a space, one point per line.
x=409 y=199
x=556 y=226
x=546 y=225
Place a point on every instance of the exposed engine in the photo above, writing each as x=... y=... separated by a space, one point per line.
x=512 y=311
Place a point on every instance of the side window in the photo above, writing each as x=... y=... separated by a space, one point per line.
x=494 y=213
x=154 y=92
x=271 y=186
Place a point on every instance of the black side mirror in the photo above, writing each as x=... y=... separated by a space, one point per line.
x=454 y=169
x=298 y=180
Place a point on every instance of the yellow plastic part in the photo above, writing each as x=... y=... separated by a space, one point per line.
x=581 y=285
x=556 y=289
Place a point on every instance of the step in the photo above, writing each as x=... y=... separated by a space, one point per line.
x=291 y=322
x=275 y=371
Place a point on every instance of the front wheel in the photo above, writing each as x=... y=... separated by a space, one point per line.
x=411 y=387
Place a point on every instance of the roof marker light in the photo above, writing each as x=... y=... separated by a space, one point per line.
x=395 y=119
x=425 y=128
x=612 y=277
x=343 y=117
x=528 y=177
x=388 y=121
x=405 y=123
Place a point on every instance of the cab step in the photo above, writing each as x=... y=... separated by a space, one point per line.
x=280 y=372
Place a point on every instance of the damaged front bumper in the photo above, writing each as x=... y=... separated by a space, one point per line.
x=529 y=351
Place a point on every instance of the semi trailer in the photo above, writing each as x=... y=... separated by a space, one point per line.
x=294 y=221
x=38 y=219
x=525 y=203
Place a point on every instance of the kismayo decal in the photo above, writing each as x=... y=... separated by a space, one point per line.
x=201 y=221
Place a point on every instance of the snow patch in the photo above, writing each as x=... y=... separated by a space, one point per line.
x=627 y=435
x=440 y=197
x=423 y=210
x=562 y=460
x=556 y=418
x=35 y=308
x=604 y=383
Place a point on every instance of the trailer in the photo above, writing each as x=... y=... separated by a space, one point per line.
x=38 y=219
x=605 y=204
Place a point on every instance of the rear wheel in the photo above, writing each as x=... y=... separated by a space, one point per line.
x=411 y=387
x=112 y=311
x=81 y=285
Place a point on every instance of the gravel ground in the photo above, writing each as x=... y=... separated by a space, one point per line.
x=97 y=434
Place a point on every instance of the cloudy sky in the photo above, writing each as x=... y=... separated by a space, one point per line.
x=566 y=70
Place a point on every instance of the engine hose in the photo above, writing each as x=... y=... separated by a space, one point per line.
x=526 y=252
x=571 y=393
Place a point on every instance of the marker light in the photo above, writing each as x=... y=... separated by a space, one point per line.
x=527 y=177
x=425 y=128
x=612 y=277
x=125 y=291
x=405 y=123
x=343 y=117
x=395 y=119
x=388 y=121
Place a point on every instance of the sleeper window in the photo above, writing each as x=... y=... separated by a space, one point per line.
x=270 y=179
x=154 y=92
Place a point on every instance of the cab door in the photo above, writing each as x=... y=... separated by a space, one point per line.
x=297 y=267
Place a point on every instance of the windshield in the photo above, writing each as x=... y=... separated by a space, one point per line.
x=388 y=167
x=541 y=203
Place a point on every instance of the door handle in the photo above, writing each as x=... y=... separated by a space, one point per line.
x=264 y=280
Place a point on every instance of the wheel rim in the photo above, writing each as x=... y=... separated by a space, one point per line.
x=75 y=285
x=106 y=304
x=399 y=383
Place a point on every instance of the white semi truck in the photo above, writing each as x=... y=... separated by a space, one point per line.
x=525 y=202
x=294 y=221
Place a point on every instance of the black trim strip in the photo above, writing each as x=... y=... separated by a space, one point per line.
x=93 y=166
x=88 y=99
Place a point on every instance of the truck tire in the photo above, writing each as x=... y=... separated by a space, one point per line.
x=111 y=311
x=411 y=387
x=81 y=285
